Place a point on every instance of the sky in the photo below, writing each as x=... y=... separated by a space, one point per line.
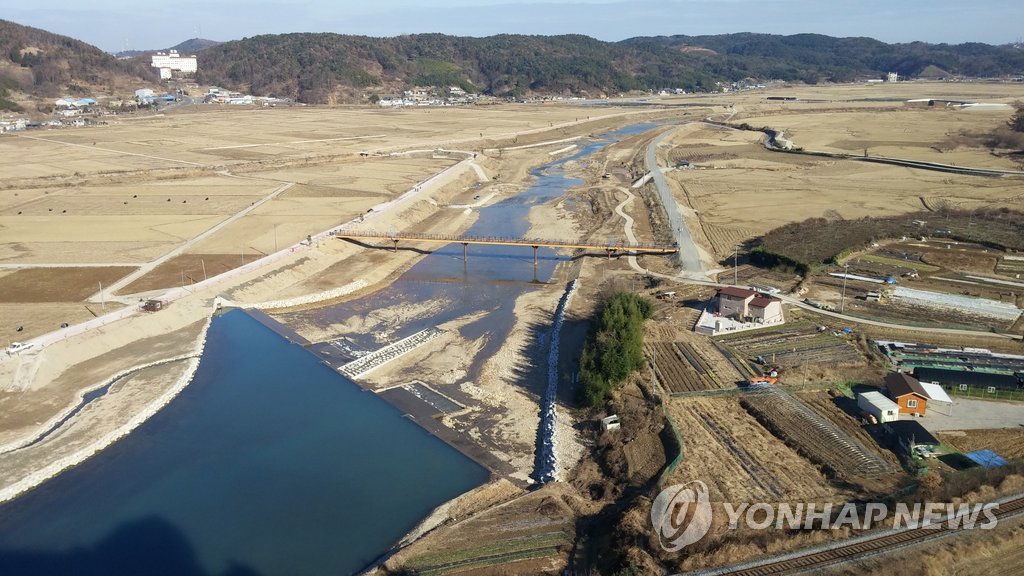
x=114 y=25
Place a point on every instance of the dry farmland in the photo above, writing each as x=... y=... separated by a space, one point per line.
x=1007 y=442
x=740 y=190
x=837 y=410
x=817 y=438
x=690 y=366
x=732 y=453
x=793 y=345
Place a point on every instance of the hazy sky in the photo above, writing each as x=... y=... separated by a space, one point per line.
x=142 y=24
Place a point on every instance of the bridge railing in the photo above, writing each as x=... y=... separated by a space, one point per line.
x=414 y=236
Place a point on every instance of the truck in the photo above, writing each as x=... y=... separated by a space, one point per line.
x=16 y=347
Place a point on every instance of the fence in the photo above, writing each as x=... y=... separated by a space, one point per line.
x=986 y=392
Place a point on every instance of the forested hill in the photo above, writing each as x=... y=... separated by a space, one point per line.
x=323 y=67
x=42 y=63
x=319 y=67
x=188 y=47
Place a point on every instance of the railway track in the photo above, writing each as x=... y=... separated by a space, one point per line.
x=819 y=558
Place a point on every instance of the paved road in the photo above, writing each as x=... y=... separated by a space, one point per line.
x=689 y=256
x=971 y=414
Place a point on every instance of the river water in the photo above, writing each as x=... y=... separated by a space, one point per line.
x=490 y=280
x=270 y=462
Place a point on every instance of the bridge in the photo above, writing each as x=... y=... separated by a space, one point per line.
x=610 y=248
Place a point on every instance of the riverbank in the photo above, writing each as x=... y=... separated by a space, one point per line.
x=24 y=468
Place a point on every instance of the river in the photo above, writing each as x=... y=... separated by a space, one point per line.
x=270 y=462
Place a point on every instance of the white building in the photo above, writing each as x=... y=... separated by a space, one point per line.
x=892 y=77
x=169 y=63
x=878 y=405
x=743 y=304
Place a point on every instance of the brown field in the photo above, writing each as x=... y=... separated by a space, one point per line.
x=941 y=266
x=1007 y=442
x=740 y=190
x=904 y=131
x=795 y=344
x=678 y=368
x=56 y=284
x=40 y=318
x=837 y=411
x=815 y=437
x=531 y=534
x=187 y=269
x=216 y=136
x=737 y=458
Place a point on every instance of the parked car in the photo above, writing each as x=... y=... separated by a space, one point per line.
x=17 y=347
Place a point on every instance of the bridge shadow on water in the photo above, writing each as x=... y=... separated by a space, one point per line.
x=149 y=546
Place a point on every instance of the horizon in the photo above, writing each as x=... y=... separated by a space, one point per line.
x=944 y=21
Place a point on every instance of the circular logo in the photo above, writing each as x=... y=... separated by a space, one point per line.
x=681 y=515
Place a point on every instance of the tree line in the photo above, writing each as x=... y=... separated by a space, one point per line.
x=309 y=67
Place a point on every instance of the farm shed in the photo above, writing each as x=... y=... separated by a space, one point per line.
x=877 y=405
x=940 y=401
x=910 y=434
x=611 y=423
x=906 y=391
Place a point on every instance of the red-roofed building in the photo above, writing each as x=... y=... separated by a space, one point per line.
x=748 y=305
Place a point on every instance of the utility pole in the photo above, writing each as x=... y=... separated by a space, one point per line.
x=275 y=237
x=842 y=299
x=204 y=268
x=735 y=266
x=103 y=303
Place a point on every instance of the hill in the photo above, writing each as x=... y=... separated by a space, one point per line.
x=191 y=46
x=43 y=64
x=323 y=67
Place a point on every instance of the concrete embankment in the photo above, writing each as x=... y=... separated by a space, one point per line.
x=303 y=300
x=381 y=356
x=52 y=469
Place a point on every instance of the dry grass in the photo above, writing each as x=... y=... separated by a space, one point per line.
x=56 y=284
x=740 y=190
x=1008 y=443
x=706 y=457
